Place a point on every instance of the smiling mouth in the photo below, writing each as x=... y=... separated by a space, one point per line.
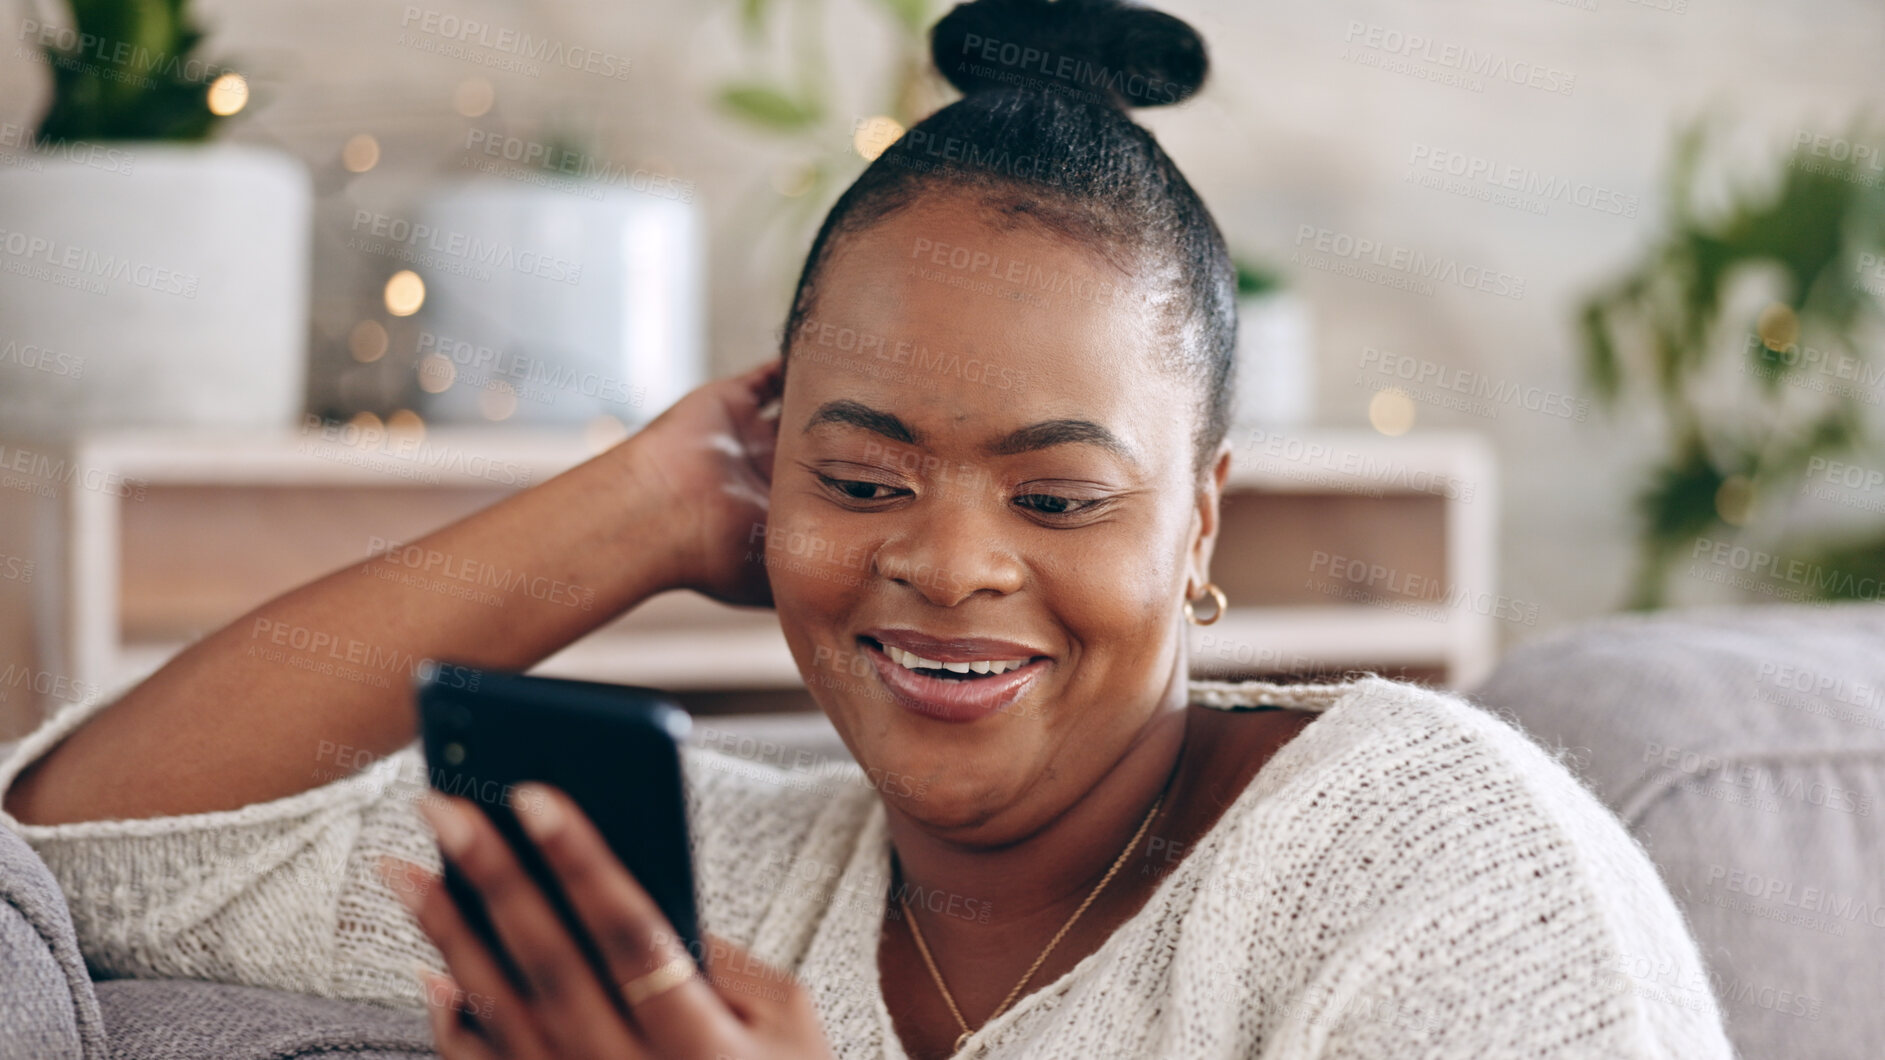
x=946 y=671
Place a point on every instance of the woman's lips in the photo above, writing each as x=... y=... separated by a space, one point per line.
x=950 y=699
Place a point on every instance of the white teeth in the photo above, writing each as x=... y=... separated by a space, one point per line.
x=909 y=660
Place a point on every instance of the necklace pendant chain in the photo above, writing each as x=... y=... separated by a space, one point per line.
x=922 y=947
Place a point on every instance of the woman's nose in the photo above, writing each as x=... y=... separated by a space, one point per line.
x=953 y=544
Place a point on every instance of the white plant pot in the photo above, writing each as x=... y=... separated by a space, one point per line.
x=154 y=285
x=556 y=303
x=1276 y=365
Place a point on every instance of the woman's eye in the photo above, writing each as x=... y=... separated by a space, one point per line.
x=860 y=491
x=1048 y=504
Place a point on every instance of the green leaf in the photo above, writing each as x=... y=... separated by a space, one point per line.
x=1600 y=354
x=1255 y=279
x=753 y=17
x=140 y=82
x=1847 y=570
x=1679 y=504
x=763 y=105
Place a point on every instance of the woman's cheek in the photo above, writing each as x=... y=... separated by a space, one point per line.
x=820 y=555
x=817 y=572
x=1117 y=602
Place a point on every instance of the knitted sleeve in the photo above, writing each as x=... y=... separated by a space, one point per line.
x=284 y=894
x=280 y=894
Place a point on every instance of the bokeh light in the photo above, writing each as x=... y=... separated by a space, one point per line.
x=367 y=341
x=405 y=293
x=1779 y=326
x=473 y=97
x=369 y=425
x=873 y=135
x=436 y=373
x=406 y=421
x=1391 y=411
x=361 y=153
x=228 y=94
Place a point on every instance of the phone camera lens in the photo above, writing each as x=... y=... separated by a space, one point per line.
x=454 y=753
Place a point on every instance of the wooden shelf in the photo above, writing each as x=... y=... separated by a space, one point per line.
x=440 y=456
x=219 y=522
x=1247 y=640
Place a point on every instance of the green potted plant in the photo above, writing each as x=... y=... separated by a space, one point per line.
x=1276 y=365
x=1753 y=399
x=170 y=270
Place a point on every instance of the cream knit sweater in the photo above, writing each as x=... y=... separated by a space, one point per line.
x=1408 y=877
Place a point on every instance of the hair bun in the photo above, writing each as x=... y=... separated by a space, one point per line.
x=1129 y=55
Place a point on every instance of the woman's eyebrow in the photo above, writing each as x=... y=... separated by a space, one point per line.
x=1043 y=435
x=1048 y=433
x=858 y=414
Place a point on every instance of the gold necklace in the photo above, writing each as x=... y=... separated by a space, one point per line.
x=922 y=948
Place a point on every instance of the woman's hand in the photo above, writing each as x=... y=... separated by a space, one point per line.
x=710 y=455
x=654 y=1003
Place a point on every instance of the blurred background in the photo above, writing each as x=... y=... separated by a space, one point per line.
x=1550 y=310
x=1552 y=307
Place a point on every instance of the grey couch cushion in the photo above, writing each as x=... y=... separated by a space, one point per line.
x=178 y=1019
x=1745 y=748
x=49 y=1009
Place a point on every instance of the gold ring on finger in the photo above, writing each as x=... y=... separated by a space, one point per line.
x=679 y=969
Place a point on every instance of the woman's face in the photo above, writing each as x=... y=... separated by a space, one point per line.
x=981 y=464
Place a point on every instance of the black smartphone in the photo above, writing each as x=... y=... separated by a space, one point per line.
x=614 y=749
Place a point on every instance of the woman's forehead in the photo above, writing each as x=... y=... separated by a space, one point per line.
x=968 y=236
x=943 y=281
x=947 y=329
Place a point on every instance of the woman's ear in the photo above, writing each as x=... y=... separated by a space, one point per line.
x=1204 y=526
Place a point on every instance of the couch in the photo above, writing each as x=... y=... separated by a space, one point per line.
x=1745 y=748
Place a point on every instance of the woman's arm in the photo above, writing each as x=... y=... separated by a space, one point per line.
x=240 y=717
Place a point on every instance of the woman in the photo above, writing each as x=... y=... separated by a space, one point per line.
x=989 y=498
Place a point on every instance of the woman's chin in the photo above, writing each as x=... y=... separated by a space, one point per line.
x=945 y=815
x=941 y=793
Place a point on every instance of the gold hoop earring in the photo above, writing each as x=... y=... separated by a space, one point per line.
x=1215 y=593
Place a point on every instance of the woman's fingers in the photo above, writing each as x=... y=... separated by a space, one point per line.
x=489 y=996
x=753 y=989
x=759 y=432
x=568 y=1003
x=765 y=382
x=445 y=1001
x=680 y=1014
x=749 y=1008
x=775 y=1008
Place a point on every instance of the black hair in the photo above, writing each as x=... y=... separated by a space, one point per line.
x=1042 y=137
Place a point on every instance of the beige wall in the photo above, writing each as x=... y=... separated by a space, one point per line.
x=1291 y=132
